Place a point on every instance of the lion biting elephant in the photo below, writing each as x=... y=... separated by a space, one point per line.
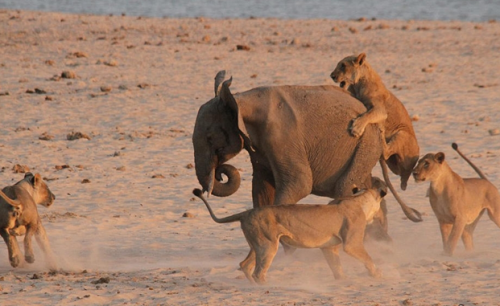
x=297 y=138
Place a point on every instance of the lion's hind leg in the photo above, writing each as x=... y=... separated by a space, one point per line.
x=15 y=256
x=468 y=231
x=265 y=252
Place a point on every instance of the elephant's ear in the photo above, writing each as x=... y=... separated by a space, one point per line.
x=228 y=100
x=219 y=78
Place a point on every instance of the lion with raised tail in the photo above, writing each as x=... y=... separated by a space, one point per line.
x=458 y=203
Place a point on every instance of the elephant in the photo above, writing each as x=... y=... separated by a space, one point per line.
x=298 y=141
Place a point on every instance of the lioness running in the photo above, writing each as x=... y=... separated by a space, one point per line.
x=306 y=226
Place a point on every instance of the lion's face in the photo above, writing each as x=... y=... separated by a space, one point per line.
x=428 y=167
x=346 y=72
x=42 y=194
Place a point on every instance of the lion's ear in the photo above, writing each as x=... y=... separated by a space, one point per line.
x=361 y=59
x=439 y=157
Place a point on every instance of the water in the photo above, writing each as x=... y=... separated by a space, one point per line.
x=465 y=10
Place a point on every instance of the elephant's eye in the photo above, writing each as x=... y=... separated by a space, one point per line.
x=342 y=66
x=426 y=165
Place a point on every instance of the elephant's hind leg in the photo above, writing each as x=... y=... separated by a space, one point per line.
x=365 y=157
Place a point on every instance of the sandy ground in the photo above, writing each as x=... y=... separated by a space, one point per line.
x=121 y=238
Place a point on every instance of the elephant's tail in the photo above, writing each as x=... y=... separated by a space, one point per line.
x=9 y=201
x=412 y=214
x=237 y=217
x=479 y=172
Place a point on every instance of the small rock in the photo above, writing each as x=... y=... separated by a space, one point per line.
x=158 y=176
x=253 y=76
x=46 y=136
x=102 y=280
x=206 y=38
x=36 y=91
x=35 y=276
x=121 y=168
x=77 y=135
x=494 y=132
x=189 y=166
x=79 y=54
x=415 y=118
x=187 y=215
x=17 y=168
x=407 y=302
x=295 y=42
x=383 y=26
x=68 y=74
x=106 y=88
x=335 y=29
x=49 y=98
x=60 y=167
x=353 y=30
x=49 y=62
x=123 y=87
x=85 y=181
x=4 y=93
x=243 y=47
x=111 y=63
x=143 y=85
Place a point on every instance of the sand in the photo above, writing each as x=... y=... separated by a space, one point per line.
x=134 y=88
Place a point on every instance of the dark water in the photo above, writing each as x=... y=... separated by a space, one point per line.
x=465 y=10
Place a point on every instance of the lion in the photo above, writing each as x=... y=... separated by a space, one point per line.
x=18 y=209
x=401 y=150
x=306 y=226
x=458 y=203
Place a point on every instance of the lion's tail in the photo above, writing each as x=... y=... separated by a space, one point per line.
x=481 y=174
x=237 y=217
x=9 y=201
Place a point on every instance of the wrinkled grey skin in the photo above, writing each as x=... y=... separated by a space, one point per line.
x=297 y=138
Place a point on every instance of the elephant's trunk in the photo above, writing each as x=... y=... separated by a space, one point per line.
x=412 y=214
x=209 y=174
x=233 y=181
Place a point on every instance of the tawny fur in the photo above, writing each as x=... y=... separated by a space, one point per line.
x=458 y=203
x=306 y=226
x=17 y=210
x=401 y=149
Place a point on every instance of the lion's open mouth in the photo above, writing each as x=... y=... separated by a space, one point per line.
x=342 y=84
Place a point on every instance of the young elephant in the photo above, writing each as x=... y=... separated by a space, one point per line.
x=306 y=226
x=401 y=149
x=458 y=203
x=18 y=209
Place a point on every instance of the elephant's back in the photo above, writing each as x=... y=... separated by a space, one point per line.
x=317 y=119
x=317 y=103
